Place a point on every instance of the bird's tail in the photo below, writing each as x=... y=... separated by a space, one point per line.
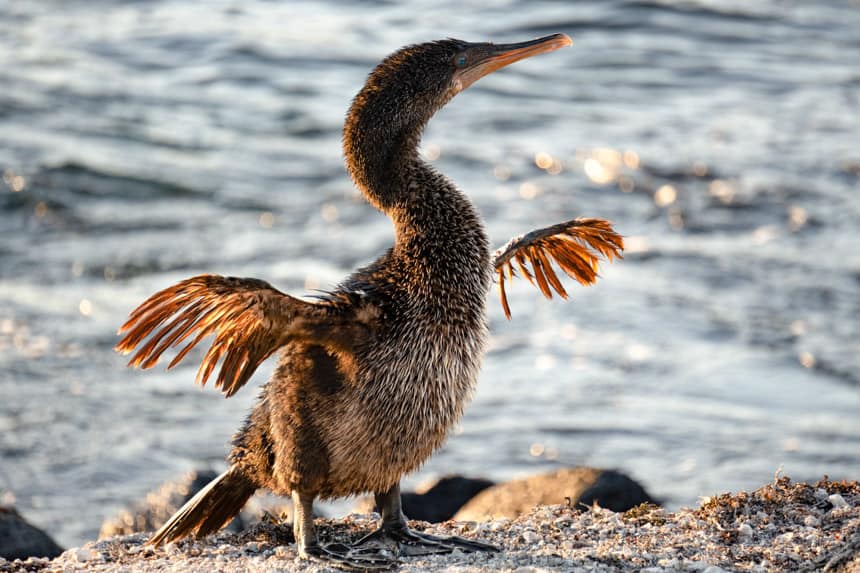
x=208 y=511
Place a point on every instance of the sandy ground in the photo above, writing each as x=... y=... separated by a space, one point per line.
x=782 y=526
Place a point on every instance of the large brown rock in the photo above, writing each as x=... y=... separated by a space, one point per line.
x=579 y=486
x=20 y=540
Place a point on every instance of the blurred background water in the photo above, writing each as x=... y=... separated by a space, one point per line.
x=144 y=142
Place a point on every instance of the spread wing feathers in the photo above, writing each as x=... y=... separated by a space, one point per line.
x=249 y=319
x=575 y=246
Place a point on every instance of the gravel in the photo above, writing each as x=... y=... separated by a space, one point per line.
x=782 y=526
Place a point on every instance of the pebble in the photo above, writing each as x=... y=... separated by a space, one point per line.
x=837 y=501
x=811 y=521
x=172 y=549
x=786 y=537
x=562 y=521
x=85 y=554
x=745 y=530
x=531 y=537
x=714 y=569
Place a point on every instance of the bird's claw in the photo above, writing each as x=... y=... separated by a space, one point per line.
x=354 y=558
x=379 y=550
x=413 y=543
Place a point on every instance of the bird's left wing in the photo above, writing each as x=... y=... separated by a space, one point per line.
x=249 y=318
x=575 y=246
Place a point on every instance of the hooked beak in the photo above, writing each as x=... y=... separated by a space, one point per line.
x=491 y=57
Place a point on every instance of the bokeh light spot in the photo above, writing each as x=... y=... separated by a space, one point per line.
x=529 y=190
x=665 y=196
x=267 y=219
x=329 y=212
x=85 y=307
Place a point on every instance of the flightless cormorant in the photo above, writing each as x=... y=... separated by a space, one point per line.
x=373 y=375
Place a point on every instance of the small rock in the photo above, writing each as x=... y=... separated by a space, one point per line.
x=820 y=494
x=786 y=537
x=172 y=549
x=811 y=521
x=745 y=530
x=714 y=569
x=85 y=554
x=530 y=537
x=837 y=501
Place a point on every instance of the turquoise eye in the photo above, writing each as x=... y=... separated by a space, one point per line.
x=461 y=61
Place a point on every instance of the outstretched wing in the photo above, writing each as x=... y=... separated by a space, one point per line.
x=249 y=319
x=575 y=246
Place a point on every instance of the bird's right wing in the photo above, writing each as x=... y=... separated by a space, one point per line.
x=249 y=318
x=576 y=247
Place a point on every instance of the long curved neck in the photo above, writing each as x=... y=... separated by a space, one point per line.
x=437 y=230
x=380 y=142
x=434 y=221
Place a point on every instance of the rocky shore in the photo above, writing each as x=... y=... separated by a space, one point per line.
x=782 y=526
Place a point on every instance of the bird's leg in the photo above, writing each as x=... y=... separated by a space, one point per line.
x=337 y=554
x=303 y=524
x=394 y=529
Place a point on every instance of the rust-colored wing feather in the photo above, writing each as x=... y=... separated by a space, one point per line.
x=248 y=318
x=575 y=246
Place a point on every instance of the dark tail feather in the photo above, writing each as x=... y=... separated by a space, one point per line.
x=209 y=510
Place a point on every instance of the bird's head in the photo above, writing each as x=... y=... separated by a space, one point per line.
x=411 y=84
x=431 y=74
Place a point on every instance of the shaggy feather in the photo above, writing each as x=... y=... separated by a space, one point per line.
x=576 y=247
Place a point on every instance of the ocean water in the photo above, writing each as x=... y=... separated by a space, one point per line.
x=145 y=142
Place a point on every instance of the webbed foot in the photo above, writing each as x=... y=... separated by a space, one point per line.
x=411 y=543
x=353 y=557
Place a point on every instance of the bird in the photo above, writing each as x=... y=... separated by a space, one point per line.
x=372 y=375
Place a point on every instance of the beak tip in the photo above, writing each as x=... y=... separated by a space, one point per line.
x=566 y=40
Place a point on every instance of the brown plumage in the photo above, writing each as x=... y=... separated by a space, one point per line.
x=249 y=318
x=575 y=246
x=371 y=377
